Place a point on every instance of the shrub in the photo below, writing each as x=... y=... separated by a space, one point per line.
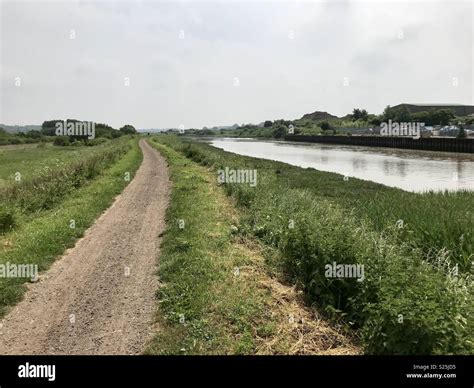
x=50 y=186
x=16 y=140
x=94 y=142
x=61 y=141
x=324 y=125
x=7 y=220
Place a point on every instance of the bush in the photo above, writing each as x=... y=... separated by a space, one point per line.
x=50 y=186
x=61 y=141
x=279 y=132
x=461 y=134
x=325 y=126
x=16 y=140
x=77 y=143
x=94 y=142
x=7 y=220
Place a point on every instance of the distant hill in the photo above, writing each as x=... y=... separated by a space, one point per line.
x=20 y=128
x=458 y=109
x=318 y=116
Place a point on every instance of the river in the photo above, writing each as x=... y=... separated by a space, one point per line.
x=410 y=170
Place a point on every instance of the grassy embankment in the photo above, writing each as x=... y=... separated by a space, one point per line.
x=216 y=296
x=411 y=300
x=32 y=159
x=57 y=185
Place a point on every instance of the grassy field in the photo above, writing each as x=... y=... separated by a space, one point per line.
x=31 y=160
x=64 y=186
x=413 y=300
x=216 y=295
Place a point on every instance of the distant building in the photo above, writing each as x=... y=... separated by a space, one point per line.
x=459 y=110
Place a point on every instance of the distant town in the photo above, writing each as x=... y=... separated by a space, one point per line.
x=439 y=120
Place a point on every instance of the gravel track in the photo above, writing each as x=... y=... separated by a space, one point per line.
x=88 y=302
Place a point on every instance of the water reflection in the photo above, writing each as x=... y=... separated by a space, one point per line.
x=407 y=169
x=359 y=164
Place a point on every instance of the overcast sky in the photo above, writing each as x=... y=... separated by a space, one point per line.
x=214 y=63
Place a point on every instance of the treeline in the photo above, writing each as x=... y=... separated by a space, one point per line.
x=22 y=138
x=103 y=132
x=269 y=129
x=360 y=121
x=430 y=117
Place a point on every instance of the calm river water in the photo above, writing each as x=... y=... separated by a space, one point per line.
x=407 y=169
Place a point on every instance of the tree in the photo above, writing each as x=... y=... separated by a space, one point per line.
x=388 y=113
x=61 y=141
x=359 y=114
x=402 y=114
x=364 y=115
x=267 y=124
x=48 y=128
x=442 y=116
x=128 y=129
x=324 y=125
x=375 y=120
x=423 y=117
x=33 y=134
x=279 y=132
x=434 y=116
x=462 y=133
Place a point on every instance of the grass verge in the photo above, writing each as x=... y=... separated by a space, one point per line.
x=40 y=239
x=215 y=295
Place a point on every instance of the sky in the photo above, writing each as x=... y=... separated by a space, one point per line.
x=157 y=64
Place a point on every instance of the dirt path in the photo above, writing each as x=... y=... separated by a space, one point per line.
x=99 y=298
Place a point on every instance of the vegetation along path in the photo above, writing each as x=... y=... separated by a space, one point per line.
x=99 y=297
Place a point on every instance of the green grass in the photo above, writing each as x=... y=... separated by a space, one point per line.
x=204 y=307
x=40 y=237
x=29 y=160
x=432 y=221
x=50 y=185
x=410 y=302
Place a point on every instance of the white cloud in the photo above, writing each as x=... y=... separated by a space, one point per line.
x=190 y=81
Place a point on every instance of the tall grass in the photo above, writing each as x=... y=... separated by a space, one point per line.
x=432 y=221
x=39 y=237
x=204 y=307
x=50 y=185
x=410 y=301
